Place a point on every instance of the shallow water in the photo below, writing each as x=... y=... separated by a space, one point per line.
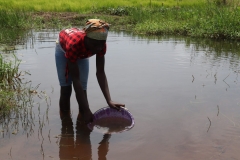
x=183 y=94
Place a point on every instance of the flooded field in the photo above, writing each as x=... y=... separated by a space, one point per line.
x=182 y=93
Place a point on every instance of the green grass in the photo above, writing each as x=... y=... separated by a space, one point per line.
x=202 y=18
x=207 y=20
x=9 y=84
x=15 y=24
x=12 y=18
x=16 y=96
x=86 y=5
x=12 y=24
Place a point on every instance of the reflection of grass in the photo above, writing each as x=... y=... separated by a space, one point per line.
x=10 y=36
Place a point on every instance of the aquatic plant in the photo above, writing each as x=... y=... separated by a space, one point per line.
x=17 y=98
x=10 y=84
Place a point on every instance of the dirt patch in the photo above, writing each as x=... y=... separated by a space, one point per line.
x=59 y=15
x=51 y=19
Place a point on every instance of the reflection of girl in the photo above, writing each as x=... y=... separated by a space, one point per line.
x=72 y=51
x=66 y=144
x=81 y=147
x=103 y=147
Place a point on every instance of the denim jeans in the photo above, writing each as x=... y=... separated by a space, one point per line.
x=61 y=62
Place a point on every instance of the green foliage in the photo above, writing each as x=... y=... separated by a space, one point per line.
x=203 y=18
x=206 y=20
x=8 y=83
x=15 y=95
x=12 y=18
x=83 y=6
x=118 y=11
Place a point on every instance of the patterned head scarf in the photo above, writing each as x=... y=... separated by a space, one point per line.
x=96 y=29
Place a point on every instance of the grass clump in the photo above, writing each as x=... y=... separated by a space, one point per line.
x=16 y=96
x=12 y=18
x=12 y=88
x=9 y=85
x=13 y=24
x=207 y=20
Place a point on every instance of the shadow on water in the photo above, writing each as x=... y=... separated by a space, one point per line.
x=182 y=92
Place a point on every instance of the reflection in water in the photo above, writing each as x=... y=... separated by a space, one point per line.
x=218 y=47
x=79 y=147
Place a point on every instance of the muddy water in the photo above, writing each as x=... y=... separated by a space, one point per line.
x=183 y=94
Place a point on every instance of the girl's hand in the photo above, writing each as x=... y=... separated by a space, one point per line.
x=88 y=117
x=115 y=105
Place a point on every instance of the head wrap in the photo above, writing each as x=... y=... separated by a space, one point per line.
x=96 y=29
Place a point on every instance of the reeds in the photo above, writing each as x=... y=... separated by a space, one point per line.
x=13 y=24
x=11 y=86
x=12 y=18
x=17 y=99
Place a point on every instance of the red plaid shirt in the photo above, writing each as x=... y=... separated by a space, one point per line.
x=72 y=42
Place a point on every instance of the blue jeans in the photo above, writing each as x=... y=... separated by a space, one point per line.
x=61 y=62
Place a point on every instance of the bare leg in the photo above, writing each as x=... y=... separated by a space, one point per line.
x=80 y=110
x=85 y=92
x=64 y=101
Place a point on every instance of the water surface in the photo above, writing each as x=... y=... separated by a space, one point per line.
x=183 y=94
